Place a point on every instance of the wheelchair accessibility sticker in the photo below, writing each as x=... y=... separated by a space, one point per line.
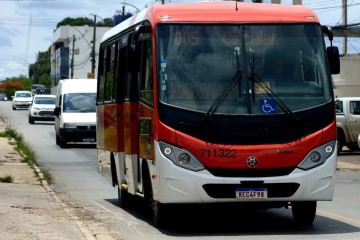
x=267 y=106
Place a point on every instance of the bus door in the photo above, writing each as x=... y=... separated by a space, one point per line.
x=146 y=101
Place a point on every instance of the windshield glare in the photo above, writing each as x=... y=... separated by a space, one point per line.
x=196 y=63
x=79 y=102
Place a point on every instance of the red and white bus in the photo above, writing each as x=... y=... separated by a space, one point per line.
x=190 y=108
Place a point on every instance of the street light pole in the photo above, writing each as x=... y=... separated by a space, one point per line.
x=72 y=58
x=124 y=3
x=93 y=48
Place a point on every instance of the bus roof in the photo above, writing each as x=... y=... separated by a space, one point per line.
x=218 y=12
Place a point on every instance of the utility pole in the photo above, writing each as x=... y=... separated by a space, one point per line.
x=72 y=58
x=93 y=49
x=344 y=23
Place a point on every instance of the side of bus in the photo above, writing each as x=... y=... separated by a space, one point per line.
x=125 y=126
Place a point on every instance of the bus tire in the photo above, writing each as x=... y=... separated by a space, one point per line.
x=304 y=212
x=158 y=214
x=123 y=197
x=157 y=208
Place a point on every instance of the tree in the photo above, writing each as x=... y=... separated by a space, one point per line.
x=107 y=22
x=39 y=71
x=81 y=21
x=10 y=85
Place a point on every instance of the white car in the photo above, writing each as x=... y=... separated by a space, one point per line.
x=21 y=99
x=42 y=108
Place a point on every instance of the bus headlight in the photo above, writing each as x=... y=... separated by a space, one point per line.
x=318 y=156
x=180 y=157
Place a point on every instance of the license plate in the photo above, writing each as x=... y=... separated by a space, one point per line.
x=88 y=140
x=251 y=193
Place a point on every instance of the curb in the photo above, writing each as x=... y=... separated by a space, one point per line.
x=84 y=230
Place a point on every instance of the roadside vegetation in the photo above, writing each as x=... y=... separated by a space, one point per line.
x=25 y=150
x=7 y=179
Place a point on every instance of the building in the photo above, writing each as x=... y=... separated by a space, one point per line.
x=71 y=52
x=347 y=83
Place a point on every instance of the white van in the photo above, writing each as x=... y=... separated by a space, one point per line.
x=75 y=111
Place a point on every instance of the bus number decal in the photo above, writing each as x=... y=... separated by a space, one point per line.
x=221 y=153
x=187 y=38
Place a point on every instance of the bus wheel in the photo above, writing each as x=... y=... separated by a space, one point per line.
x=158 y=214
x=304 y=212
x=123 y=197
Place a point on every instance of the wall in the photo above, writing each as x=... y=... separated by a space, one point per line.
x=347 y=83
x=78 y=41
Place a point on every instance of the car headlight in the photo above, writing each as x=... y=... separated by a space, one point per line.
x=180 y=157
x=318 y=156
x=37 y=109
x=69 y=125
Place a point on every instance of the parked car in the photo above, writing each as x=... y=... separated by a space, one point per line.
x=42 y=108
x=3 y=97
x=21 y=99
x=348 y=122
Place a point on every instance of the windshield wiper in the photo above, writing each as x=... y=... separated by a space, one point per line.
x=223 y=94
x=269 y=92
x=274 y=97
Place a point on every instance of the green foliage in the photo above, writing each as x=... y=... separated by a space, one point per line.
x=7 y=179
x=21 y=145
x=81 y=21
x=10 y=85
x=40 y=70
x=107 y=22
x=25 y=149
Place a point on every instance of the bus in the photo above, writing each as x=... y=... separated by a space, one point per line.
x=190 y=111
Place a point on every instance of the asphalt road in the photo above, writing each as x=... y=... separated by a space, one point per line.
x=78 y=184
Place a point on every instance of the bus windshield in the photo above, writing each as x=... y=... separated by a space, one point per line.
x=242 y=67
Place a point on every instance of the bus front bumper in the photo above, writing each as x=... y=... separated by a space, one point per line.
x=174 y=184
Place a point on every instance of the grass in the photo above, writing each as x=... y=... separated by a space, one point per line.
x=7 y=179
x=24 y=149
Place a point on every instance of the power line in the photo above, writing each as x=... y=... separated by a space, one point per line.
x=27 y=20
x=335 y=7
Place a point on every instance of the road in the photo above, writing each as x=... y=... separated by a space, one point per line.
x=94 y=200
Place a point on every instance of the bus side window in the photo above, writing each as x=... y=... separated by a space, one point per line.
x=102 y=71
x=110 y=72
x=146 y=85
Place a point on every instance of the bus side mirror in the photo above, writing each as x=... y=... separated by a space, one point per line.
x=57 y=111
x=334 y=59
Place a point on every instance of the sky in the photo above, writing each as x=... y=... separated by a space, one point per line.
x=27 y=26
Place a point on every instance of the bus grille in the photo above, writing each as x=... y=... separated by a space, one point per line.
x=225 y=172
